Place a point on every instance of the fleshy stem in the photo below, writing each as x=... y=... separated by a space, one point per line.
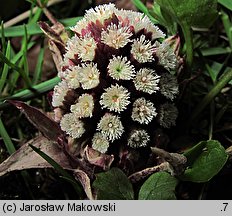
x=212 y=94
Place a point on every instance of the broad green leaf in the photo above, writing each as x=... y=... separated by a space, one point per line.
x=193 y=12
x=159 y=186
x=226 y=3
x=190 y=13
x=205 y=159
x=113 y=185
x=226 y=20
x=164 y=19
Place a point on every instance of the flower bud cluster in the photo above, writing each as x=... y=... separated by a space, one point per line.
x=117 y=84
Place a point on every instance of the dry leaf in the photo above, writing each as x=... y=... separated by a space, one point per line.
x=83 y=178
x=26 y=158
x=56 y=54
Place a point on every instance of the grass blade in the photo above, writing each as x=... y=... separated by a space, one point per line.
x=139 y=4
x=25 y=64
x=15 y=67
x=28 y=94
x=36 y=16
x=39 y=65
x=5 y=68
x=20 y=53
x=32 y=28
x=3 y=38
x=216 y=51
x=211 y=95
x=39 y=89
x=59 y=169
x=6 y=138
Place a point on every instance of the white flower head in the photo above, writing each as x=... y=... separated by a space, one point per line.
x=84 y=107
x=129 y=15
x=120 y=68
x=138 y=138
x=143 y=111
x=71 y=77
x=169 y=86
x=85 y=47
x=166 y=55
x=100 y=143
x=72 y=125
x=115 y=98
x=116 y=36
x=167 y=115
x=110 y=127
x=89 y=76
x=60 y=91
x=142 y=50
x=71 y=48
x=145 y=23
x=62 y=73
x=140 y=21
x=100 y=13
x=80 y=25
x=146 y=80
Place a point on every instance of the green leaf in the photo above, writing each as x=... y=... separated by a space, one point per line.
x=227 y=25
x=193 y=12
x=205 y=160
x=164 y=19
x=159 y=186
x=190 y=13
x=113 y=185
x=226 y=3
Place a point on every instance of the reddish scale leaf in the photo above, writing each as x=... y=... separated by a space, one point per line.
x=98 y=159
x=49 y=128
x=50 y=32
x=56 y=33
x=56 y=54
x=83 y=178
